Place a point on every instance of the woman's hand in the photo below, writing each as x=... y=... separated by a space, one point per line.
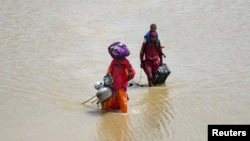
x=141 y=65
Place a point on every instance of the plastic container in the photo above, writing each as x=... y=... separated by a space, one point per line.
x=163 y=73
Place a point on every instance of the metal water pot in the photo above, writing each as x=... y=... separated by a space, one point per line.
x=104 y=93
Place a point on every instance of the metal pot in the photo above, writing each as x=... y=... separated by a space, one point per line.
x=98 y=85
x=104 y=93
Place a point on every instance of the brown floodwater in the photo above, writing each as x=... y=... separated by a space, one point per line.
x=52 y=52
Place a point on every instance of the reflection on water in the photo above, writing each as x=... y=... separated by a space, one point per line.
x=157 y=116
x=114 y=127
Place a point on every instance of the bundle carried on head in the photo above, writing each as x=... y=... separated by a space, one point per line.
x=118 y=50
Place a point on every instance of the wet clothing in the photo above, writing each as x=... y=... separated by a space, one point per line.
x=121 y=72
x=153 y=58
x=118 y=101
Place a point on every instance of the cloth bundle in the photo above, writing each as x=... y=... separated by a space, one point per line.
x=118 y=50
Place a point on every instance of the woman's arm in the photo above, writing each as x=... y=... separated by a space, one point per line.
x=108 y=71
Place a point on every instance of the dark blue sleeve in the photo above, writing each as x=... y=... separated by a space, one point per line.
x=147 y=36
